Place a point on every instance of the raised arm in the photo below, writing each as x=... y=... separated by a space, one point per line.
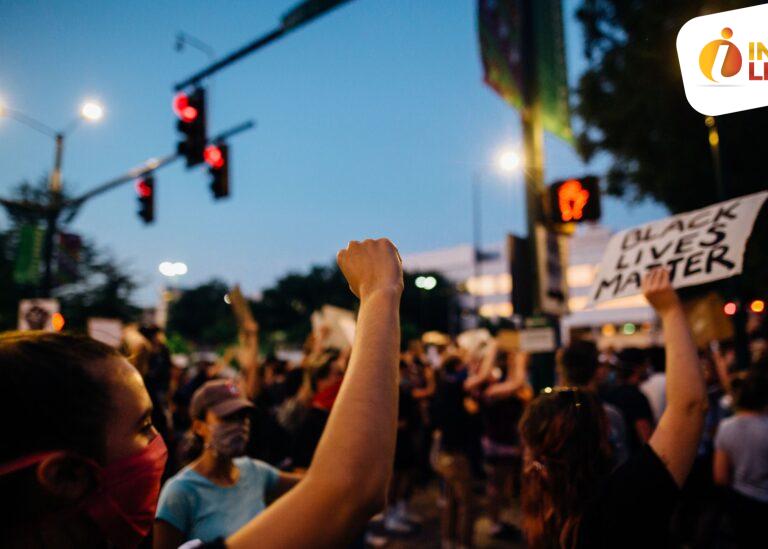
x=347 y=480
x=676 y=438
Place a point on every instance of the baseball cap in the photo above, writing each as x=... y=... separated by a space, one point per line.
x=220 y=396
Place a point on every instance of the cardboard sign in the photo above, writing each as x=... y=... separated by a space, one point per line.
x=37 y=314
x=707 y=320
x=697 y=247
x=530 y=340
x=106 y=330
x=339 y=325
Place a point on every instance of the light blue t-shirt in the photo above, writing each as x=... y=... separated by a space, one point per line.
x=744 y=437
x=203 y=510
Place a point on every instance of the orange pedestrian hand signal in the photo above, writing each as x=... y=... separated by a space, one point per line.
x=575 y=200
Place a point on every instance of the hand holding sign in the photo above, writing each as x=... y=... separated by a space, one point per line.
x=658 y=290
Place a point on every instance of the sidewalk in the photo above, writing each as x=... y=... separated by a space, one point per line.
x=424 y=504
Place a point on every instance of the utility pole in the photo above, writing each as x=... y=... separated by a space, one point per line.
x=533 y=144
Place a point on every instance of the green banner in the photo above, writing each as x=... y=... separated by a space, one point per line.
x=499 y=29
x=27 y=267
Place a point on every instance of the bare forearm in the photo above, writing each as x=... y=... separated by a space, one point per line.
x=359 y=439
x=685 y=382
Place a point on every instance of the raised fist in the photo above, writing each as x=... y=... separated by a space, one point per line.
x=371 y=265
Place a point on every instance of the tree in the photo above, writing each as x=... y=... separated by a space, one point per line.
x=284 y=311
x=633 y=106
x=99 y=286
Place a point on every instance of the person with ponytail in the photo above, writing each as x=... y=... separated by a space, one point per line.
x=222 y=489
x=571 y=497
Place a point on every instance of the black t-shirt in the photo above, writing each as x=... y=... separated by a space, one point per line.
x=633 y=405
x=450 y=415
x=633 y=507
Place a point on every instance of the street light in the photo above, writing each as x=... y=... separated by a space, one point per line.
x=507 y=160
x=92 y=111
x=172 y=269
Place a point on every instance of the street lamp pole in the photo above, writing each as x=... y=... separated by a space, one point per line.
x=476 y=240
x=90 y=111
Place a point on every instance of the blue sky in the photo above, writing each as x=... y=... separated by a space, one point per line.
x=371 y=122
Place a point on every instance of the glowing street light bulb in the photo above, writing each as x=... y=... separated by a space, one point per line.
x=508 y=161
x=169 y=269
x=92 y=111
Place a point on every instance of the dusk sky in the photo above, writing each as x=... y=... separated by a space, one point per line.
x=371 y=122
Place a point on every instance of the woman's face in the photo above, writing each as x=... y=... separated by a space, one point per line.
x=129 y=426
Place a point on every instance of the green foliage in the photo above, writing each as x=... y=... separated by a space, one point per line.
x=633 y=105
x=101 y=288
x=202 y=316
x=284 y=311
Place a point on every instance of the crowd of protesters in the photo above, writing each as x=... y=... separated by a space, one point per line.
x=636 y=448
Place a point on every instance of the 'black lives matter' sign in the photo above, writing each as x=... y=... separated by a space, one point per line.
x=697 y=247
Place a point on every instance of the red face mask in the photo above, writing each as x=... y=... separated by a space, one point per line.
x=124 y=503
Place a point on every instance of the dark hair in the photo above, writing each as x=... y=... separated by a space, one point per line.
x=452 y=364
x=58 y=398
x=579 y=362
x=657 y=356
x=750 y=389
x=630 y=360
x=567 y=454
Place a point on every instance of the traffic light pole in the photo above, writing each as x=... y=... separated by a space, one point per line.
x=301 y=14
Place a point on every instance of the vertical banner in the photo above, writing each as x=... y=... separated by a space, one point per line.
x=499 y=30
x=697 y=247
x=26 y=269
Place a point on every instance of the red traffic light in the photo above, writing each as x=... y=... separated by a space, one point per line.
x=182 y=108
x=143 y=189
x=729 y=308
x=214 y=157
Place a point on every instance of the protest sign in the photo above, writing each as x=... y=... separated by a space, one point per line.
x=38 y=314
x=697 y=247
x=530 y=340
x=335 y=325
x=106 y=330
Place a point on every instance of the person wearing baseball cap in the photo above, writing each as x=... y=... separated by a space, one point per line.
x=222 y=489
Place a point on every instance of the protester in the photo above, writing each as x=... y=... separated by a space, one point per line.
x=85 y=466
x=741 y=456
x=455 y=434
x=220 y=490
x=578 y=366
x=570 y=496
x=629 y=400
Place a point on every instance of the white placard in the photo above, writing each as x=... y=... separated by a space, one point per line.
x=697 y=247
x=37 y=314
x=537 y=340
x=106 y=330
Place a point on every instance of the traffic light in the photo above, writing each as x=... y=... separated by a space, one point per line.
x=190 y=109
x=574 y=200
x=145 y=189
x=217 y=158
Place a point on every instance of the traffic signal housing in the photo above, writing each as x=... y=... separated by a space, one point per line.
x=575 y=200
x=190 y=110
x=145 y=189
x=217 y=158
